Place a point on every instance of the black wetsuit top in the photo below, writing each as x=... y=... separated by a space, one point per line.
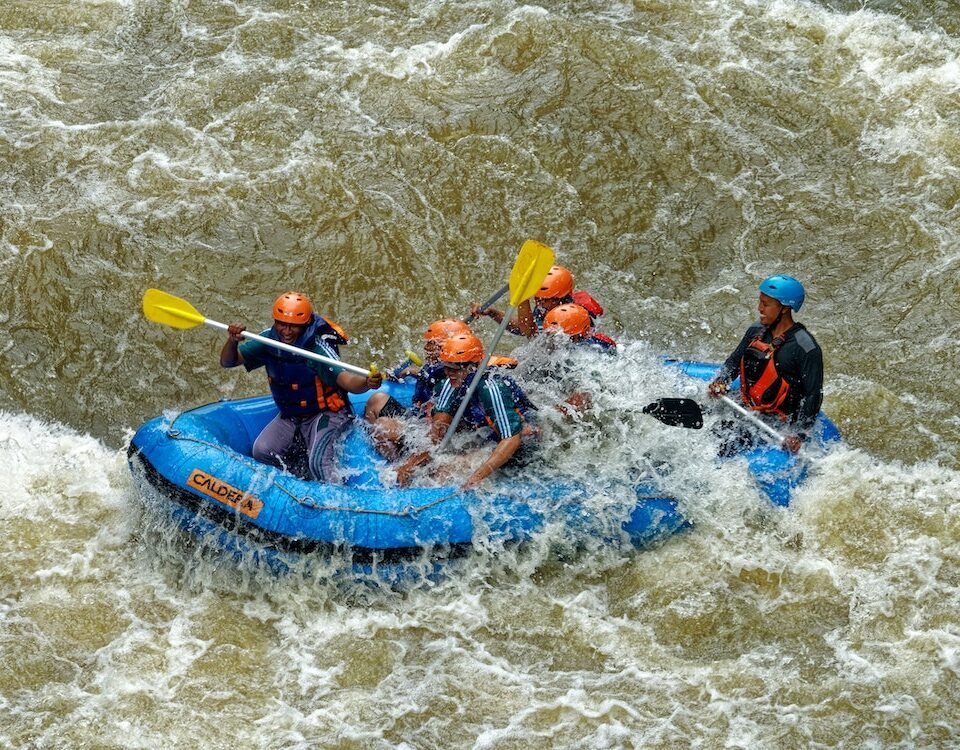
x=799 y=361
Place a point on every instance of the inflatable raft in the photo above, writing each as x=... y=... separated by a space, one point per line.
x=198 y=465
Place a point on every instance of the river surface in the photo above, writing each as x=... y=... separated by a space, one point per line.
x=389 y=159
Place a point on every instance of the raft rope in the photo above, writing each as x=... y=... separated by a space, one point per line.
x=307 y=500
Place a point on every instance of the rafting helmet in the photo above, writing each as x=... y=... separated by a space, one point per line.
x=292 y=307
x=558 y=283
x=784 y=289
x=571 y=319
x=462 y=349
x=441 y=330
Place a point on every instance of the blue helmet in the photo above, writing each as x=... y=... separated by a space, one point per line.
x=784 y=289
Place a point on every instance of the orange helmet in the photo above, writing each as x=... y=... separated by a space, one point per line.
x=292 y=307
x=441 y=330
x=464 y=348
x=572 y=319
x=558 y=283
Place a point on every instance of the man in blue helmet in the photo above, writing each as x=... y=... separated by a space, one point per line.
x=779 y=363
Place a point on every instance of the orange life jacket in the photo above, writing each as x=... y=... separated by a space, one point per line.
x=588 y=303
x=762 y=388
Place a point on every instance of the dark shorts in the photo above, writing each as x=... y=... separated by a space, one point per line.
x=393 y=408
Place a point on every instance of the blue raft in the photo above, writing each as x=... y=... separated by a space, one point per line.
x=200 y=465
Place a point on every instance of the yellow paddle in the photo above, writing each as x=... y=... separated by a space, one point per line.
x=163 y=308
x=529 y=270
x=412 y=359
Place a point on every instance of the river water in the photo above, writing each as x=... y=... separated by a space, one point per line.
x=389 y=159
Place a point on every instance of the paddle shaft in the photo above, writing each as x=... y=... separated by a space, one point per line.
x=749 y=415
x=529 y=270
x=475 y=382
x=292 y=349
x=503 y=290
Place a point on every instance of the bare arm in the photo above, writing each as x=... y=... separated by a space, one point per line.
x=405 y=472
x=230 y=355
x=522 y=323
x=504 y=451
x=438 y=428
x=353 y=383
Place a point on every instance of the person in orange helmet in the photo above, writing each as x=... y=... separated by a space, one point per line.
x=384 y=412
x=556 y=289
x=497 y=404
x=570 y=325
x=574 y=321
x=311 y=396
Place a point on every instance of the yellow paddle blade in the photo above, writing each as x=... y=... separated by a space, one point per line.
x=529 y=270
x=414 y=357
x=160 y=307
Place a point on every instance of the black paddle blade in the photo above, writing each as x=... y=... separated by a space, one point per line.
x=676 y=412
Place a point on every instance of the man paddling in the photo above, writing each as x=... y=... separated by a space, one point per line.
x=497 y=403
x=556 y=289
x=570 y=327
x=383 y=412
x=574 y=321
x=311 y=396
x=779 y=363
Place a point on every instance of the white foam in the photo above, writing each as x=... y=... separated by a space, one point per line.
x=51 y=468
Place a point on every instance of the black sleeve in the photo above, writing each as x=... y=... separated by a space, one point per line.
x=811 y=384
x=730 y=369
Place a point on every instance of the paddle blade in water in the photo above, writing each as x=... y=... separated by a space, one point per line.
x=529 y=270
x=676 y=412
x=163 y=308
